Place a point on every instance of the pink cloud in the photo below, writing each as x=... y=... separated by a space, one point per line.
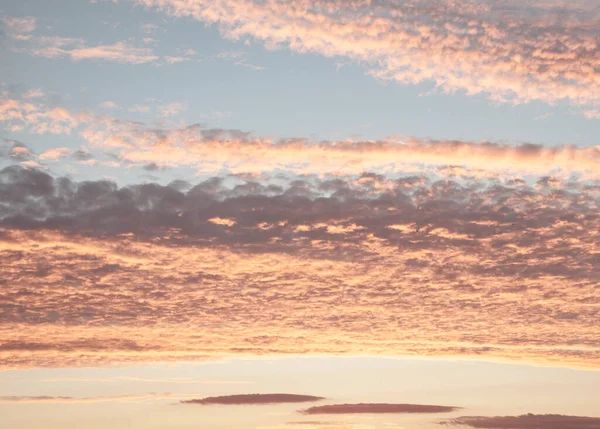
x=19 y=28
x=508 y=52
x=55 y=154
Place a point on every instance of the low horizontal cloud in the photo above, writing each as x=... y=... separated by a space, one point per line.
x=170 y=380
x=83 y=400
x=214 y=150
x=378 y=409
x=254 y=399
x=527 y=421
x=77 y=50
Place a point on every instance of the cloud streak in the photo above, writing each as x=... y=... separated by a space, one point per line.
x=254 y=399
x=528 y=421
x=86 y=400
x=213 y=150
x=378 y=409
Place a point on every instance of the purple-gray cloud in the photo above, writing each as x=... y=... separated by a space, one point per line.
x=527 y=421
x=254 y=399
x=378 y=409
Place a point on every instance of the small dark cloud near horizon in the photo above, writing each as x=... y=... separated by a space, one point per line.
x=526 y=421
x=254 y=399
x=378 y=409
x=82 y=155
x=153 y=166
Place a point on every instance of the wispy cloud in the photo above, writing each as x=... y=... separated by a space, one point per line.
x=19 y=28
x=26 y=39
x=172 y=109
x=170 y=380
x=74 y=400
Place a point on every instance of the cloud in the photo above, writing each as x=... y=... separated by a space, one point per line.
x=110 y=105
x=26 y=39
x=55 y=154
x=172 y=109
x=592 y=114
x=528 y=421
x=140 y=109
x=176 y=380
x=212 y=150
x=215 y=150
x=254 y=399
x=93 y=399
x=38 y=118
x=19 y=28
x=34 y=93
x=96 y=274
x=15 y=151
x=377 y=409
x=77 y=50
x=509 y=51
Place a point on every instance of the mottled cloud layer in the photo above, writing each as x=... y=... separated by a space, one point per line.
x=242 y=265
x=510 y=51
x=378 y=409
x=254 y=399
x=528 y=421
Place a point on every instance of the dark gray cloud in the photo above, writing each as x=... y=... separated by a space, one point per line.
x=527 y=421
x=254 y=399
x=82 y=155
x=378 y=409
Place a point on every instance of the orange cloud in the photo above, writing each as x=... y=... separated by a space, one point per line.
x=96 y=274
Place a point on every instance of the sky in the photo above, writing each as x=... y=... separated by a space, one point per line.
x=354 y=214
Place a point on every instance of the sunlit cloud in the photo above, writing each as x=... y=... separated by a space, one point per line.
x=508 y=51
x=26 y=39
x=98 y=274
x=214 y=150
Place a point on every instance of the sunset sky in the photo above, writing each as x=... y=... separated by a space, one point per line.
x=308 y=214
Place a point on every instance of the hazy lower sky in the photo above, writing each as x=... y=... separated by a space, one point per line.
x=361 y=213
